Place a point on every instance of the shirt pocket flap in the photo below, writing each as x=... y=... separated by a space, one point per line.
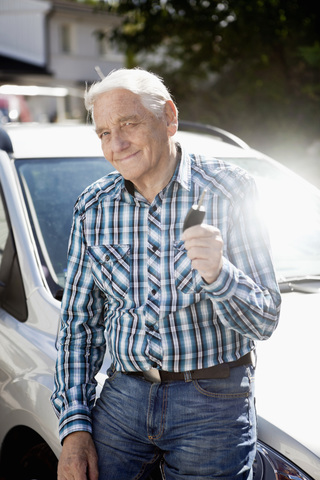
x=109 y=254
x=111 y=268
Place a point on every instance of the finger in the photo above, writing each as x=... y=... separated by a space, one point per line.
x=198 y=231
x=204 y=246
x=202 y=253
x=93 y=473
x=203 y=238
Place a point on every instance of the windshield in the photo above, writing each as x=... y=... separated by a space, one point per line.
x=51 y=188
x=290 y=206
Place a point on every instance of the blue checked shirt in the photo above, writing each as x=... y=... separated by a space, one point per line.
x=130 y=281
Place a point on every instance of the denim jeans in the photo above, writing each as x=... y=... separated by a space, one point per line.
x=198 y=429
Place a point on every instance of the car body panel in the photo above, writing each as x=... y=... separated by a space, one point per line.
x=26 y=384
x=294 y=398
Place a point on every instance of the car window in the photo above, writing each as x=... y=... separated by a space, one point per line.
x=291 y=208
x=12 y=294
x=51 y=188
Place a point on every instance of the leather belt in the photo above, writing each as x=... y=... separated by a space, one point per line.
x=217 y=371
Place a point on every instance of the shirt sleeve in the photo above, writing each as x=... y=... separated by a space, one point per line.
x=82 y=343
x=246 y=294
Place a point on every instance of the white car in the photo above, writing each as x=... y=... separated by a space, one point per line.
x=39 y=182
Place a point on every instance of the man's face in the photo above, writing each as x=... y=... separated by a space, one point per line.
x=133 y=140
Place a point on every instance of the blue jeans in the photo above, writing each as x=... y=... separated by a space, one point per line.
x=196 y=430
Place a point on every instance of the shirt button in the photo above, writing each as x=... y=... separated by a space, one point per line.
x=153 y=291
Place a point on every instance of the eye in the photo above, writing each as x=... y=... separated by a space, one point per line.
x=104 y=134
x=128 y=124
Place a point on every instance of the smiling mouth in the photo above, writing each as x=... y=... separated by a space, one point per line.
x=128 y=157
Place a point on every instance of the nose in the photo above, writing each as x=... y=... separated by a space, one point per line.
x=119 y=141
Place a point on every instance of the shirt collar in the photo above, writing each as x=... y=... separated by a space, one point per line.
x=123 y=188
x=182 y=174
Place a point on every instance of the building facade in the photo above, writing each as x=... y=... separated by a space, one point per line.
x=55 y=43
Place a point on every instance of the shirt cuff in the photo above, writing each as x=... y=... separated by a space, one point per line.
x=225 y=285
x=75 y=418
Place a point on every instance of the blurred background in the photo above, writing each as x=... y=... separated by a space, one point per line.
x=250 y=67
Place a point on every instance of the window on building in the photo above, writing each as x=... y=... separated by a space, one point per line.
x=102 y=43
x=65 y=38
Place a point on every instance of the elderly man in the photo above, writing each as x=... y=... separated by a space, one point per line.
x=179 y=310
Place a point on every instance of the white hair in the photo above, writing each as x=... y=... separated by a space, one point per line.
x=149 y=86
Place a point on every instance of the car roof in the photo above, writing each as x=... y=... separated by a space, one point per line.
x=207 y=144
x=75 y=140
x=53 y=140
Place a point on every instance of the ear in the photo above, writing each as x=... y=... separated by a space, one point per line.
x=171 y=116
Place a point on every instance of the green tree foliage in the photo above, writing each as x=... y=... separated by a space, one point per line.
x=205 y=36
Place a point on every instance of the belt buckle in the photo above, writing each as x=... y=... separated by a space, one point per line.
x=152 y=375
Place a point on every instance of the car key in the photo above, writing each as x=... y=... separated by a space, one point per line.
x=196 y=214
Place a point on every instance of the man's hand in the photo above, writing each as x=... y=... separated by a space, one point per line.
x=204 y=245
x=78 y=460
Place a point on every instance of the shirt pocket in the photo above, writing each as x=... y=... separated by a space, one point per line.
x=184 y=275
x=111 y=268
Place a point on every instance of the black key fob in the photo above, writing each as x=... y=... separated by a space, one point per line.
x=196 y=214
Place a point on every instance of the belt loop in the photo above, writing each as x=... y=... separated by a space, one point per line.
x=187 y=376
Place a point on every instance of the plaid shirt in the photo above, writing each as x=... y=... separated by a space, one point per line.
x=130 y=281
